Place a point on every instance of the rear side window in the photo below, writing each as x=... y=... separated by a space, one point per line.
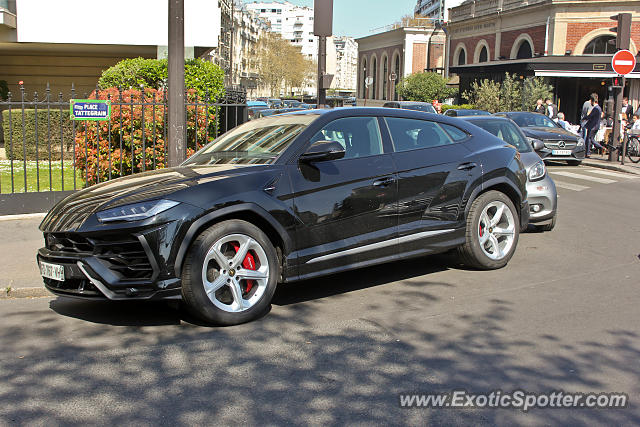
x=412 y=134
x=458 y=135
x=360 y=136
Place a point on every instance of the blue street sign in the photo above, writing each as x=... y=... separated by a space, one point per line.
x=90 y=109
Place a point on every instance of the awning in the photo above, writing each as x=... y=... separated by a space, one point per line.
x=591 y=74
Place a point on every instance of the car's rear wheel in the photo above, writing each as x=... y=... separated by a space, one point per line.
x=492 y=232
x=230 y=273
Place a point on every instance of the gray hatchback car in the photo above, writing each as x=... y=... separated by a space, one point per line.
x=541 y=190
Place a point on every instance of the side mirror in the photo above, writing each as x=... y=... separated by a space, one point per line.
x=538 y=145
x=323 y=150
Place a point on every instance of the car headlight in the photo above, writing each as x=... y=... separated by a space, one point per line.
x=136 y=211
x=580 y=142
x=537 y=171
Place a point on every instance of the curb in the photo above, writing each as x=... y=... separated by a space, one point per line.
x=613 y=167
x=12 y=293
x=22 y=216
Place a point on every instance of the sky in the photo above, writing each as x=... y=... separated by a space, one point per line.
x=357 y=18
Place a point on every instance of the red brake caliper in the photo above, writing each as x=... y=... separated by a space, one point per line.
x=249 y=263
x=479 y=227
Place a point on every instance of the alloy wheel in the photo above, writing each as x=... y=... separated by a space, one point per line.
x=496 y=230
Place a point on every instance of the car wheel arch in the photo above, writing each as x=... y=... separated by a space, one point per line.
x=248 y=212
x=500 y=185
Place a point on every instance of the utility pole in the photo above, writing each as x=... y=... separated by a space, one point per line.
x=323 y=28
x=176 y=130
x=623 y=38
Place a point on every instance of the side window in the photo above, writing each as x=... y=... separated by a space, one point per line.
x=457 y=135
x=360 y=136
x=412 y=134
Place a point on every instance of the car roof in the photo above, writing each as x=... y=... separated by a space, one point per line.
x=485 y=117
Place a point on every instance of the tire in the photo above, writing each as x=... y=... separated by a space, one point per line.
x=574 y=162
x=480 y=255
x=221 y=294
x=550 y=226
x=633 y=150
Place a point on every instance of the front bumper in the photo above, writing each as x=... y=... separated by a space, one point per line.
x=577 y=154
x=543 y=199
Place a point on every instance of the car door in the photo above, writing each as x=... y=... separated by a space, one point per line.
x=434 y=171
x=346 y=207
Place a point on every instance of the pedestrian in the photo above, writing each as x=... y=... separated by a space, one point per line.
x=586 y=109
x=562 y=122
x=593 y=124
x=551 y=110
x=627 y=108
x=636 y=122
x=540 y=107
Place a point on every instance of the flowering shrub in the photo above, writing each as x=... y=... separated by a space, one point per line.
x=137 y=134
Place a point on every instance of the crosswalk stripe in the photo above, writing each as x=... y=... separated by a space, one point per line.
x=584 y=177
x=613 y=174
x=566 y=185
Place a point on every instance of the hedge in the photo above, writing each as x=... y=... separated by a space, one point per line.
x=15 y=151
x=446 y=107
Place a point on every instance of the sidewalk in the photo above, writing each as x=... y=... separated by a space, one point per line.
x=598 y=161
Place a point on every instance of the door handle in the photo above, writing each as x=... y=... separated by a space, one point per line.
x=467 y=166
x=383 y=182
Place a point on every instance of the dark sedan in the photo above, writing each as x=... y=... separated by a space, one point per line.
x=550 y=140
x=411 y=105
x=463 y=112
x=287 y=198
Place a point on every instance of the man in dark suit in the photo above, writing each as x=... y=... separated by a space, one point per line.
x=593 y=124
x=627 y=108
x=551 y=110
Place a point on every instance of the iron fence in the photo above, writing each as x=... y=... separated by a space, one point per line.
x=47 y=155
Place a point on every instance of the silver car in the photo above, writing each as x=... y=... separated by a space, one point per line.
x=541 y=190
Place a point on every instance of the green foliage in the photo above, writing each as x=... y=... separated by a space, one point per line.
x=206 y=78
x=534 y=89
x=485 y=94
x=510 y=95
x=446 y=107
x=424 y=87
x=4 y=90
x=12 y=126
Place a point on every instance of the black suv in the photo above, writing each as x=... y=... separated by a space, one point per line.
x=287 y=198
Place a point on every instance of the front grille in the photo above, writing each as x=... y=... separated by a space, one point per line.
x=73 y=287
x=124 y=255
x=556 y=144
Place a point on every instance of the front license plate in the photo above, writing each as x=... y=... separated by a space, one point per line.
x=52 y=271
x=561 y=152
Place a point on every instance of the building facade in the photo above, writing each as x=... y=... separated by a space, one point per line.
x=346 y=63
x=567 y=43
x=435 y=9
x=293 y=23
x=391 y=55
x=43 y=43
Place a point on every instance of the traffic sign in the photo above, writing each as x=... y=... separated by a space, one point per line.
x=393 y=77
x=368 y=81
x=623 y=62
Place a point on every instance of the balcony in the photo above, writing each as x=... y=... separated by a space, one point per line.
x=477 y=8
x=7 y=19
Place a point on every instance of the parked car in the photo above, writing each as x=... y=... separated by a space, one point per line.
x=257 y=104
x=275 y=103
x=411 y=105
x=541 y=190
x=286 y=198
x=253 y=111
x=459 y=112
x=273 y=111
x=549 y=139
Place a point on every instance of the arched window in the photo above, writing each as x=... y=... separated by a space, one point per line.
x=364 y=77
x=374 y=86
x=524 y=51
x=602 y=45
x=395 y=83
x=385 y=77
x=484 y=55
x=462 y=57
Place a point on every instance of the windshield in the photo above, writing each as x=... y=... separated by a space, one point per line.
x=417 y=107
x=506 y=131
x=256 y=142
x=528 y=120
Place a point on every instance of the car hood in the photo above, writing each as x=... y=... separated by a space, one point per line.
x=543 y=133
x=164 y=183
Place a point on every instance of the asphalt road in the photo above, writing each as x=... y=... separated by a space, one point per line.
x=563 y=315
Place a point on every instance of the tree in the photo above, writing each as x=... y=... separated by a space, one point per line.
x=424 y=87
x=411 y=21
x=485 y=95
x=510 y=93
x=535 y=88
x=281 y=63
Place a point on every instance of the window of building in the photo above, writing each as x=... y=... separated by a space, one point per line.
x=374 y=86
x=385 y=77
x=310 y=40
x=484 y=55
x=462 y=57
x=524 y=51
x=279 y=21
x=602 y=45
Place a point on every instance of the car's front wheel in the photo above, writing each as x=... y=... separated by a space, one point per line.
x=230 y=273
x=492 y=232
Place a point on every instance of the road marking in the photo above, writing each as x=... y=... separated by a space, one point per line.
x=566 y=185
x=613 y=174
x=585 y=177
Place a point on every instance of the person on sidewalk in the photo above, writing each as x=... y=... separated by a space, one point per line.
x=627 y=108
x=540 y=107
x=551 y=110
x=562 y=122
x=593 y=124
x=586 y=109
